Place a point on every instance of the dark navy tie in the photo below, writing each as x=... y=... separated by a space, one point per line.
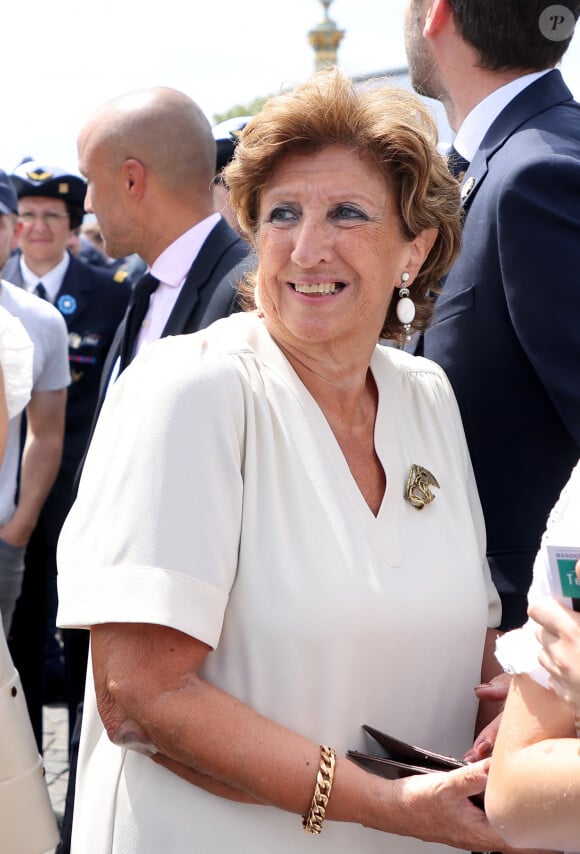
x=40 y=291
x=136 y=315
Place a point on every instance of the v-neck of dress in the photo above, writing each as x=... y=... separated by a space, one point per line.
x=383 y=530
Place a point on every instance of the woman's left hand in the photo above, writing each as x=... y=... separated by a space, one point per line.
x=484 y=741
x=559 y=634
x=491 y=693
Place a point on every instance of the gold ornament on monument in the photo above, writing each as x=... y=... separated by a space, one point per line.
x=325 y=38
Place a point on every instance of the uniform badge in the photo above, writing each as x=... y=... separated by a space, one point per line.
x=74 y=340
x=418 y=488
x=39 y=175
x=66 y=304
x=91 y=339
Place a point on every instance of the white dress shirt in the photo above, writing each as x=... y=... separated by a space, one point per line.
x=171 y=268
x=52 y=280
x=477 y=123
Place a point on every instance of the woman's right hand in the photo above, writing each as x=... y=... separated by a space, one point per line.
x=436 y=808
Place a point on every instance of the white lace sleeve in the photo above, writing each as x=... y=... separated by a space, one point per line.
x=517 y=651
x=16 y=351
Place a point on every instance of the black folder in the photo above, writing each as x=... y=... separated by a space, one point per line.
x=399 y=759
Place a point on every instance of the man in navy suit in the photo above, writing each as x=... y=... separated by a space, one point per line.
x=92 y=303
x=507 y=321
x=149 y=158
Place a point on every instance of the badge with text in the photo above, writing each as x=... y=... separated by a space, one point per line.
x=563 y=579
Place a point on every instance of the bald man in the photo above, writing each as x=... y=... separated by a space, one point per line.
x=149 y=158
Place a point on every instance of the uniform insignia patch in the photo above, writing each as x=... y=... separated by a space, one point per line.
x=90 y=339
x=39 y=175
x=66 y=304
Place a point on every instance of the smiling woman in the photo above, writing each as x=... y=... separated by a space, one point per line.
x=264 y=587
x=43 y=231
x=385 y=173
x=331 y=251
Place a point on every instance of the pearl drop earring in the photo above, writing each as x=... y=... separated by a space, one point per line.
x=405 y=307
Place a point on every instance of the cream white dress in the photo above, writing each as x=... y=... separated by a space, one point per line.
x=27 y=823
x=216 y=500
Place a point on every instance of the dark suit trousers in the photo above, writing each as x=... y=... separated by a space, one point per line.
x=27 y=633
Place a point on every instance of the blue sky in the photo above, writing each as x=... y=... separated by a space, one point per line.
x=60 y=65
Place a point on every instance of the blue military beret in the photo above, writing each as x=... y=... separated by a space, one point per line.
x=226 y=135
x=8 y=200
x=33 y=178
x=36 y=179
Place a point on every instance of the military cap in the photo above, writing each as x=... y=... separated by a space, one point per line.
x=34 y=178
x=226 y=135
x=8 y=200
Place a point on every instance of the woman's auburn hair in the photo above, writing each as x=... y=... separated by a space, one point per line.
x=382 y=122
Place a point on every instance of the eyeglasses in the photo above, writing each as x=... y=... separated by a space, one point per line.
x=49 y=218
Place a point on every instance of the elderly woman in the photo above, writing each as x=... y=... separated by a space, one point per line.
x=277 y=536
x=534 y=785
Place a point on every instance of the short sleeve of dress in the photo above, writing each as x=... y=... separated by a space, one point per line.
x=154 y=533
x=16 y=356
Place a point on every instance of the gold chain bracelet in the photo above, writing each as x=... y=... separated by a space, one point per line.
x=312 y=823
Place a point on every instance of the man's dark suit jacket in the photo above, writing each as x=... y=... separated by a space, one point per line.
x=208 y=292
x=92 y=304
x=507 y=323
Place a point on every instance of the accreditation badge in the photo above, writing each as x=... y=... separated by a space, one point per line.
x=562 y=576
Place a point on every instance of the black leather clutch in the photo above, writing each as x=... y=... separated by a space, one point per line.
x=399 y=759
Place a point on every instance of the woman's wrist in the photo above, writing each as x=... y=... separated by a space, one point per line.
x=312 y=821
